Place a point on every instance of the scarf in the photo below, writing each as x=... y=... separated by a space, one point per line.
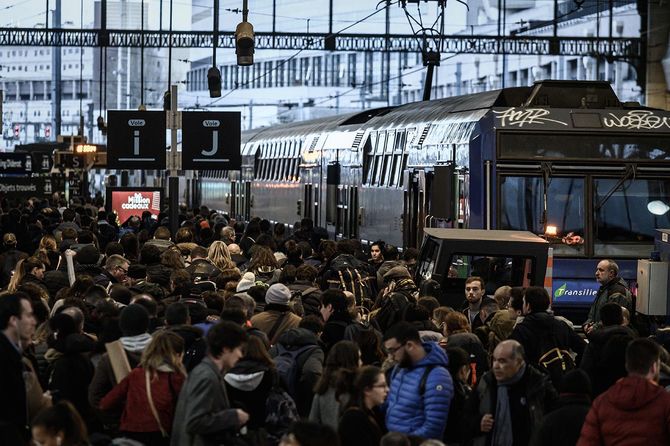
x=502 y=429
x=135 y=343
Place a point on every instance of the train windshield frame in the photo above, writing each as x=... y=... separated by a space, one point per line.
x=598 y=146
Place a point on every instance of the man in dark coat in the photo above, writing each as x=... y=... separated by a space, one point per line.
x=612 y=289
x=562 y=426
x=540 y=331
x=336 y=316
x=604 y=357
x=510 y=400
x=203 y=409
x=18 y=325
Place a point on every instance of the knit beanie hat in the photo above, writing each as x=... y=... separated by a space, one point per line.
x=278 y=294
x=134 y=320
x=247 y=281
x=576 y=382
x=88 y=255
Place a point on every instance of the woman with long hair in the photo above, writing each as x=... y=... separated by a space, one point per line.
x=331 y=392
x=362 y=423
x=264 y=265
x=47 y=252
x=59 y=425
x=219 y=255
x=148 y=395
x=27 y=270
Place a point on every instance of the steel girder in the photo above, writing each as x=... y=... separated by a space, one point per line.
x=614 y=48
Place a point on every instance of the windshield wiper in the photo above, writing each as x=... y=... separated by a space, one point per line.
x=629 y=173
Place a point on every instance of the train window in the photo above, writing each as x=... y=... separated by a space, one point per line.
x=397 y=160
x=379 y=163
x=368 y=158
x=629 y=213
x=386 y=171
x=390 y=142
x=381 y=143
x=521 y=208
x=399 y=141
x=600 y=146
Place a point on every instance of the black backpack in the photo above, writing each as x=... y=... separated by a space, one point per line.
x=391 y=311
x=554 y=360
x=288 y=365
x=348 y=274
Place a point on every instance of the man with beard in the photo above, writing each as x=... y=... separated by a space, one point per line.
x=635 y=410
x=421 y=386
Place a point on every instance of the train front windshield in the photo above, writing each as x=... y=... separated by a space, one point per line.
x=605 y=193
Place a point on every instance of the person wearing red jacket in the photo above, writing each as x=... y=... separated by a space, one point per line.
x=635 y=410
x=149 y=393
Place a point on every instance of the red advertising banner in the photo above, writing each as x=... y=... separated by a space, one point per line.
x=126 y=203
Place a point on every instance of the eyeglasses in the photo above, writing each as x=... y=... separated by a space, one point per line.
x=122 y=269
x=393 y=350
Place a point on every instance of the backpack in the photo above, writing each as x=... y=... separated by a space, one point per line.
x=554 y=360
x=391 y=310
x=288 y=367
x=280 y=414
x=298 y=297
x=346 y=274
x=194 y=354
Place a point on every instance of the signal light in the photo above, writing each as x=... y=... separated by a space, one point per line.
x=214 y=82
x=47 y=132
x=17 y=132
x=244 y=43
x=167 y=101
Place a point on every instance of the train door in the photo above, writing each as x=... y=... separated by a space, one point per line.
x=417 y=185
x=310 y=199
x=341 y=204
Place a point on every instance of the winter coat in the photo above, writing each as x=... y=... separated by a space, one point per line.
x=615 y=291
x=333 y=330
x=361 y=427
x=14 y=409
x=32 y=279
x=248 y=385
x=104 y=381
x=71 y=372
x=634 y=411
x=410 y=412
x=8 y=261
x=204 y=414
x=326 y=408
x=562 y=426
x=266 y=320
x=310 y=364
x=540 y=331
x=195 y=344
x=131 y=395
x=455 y=431
x=501 y=325
x=529 y=399
x=471 y=344
x=605 y=355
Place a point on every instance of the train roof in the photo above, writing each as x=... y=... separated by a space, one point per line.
x=492 y=235
x=465 y=108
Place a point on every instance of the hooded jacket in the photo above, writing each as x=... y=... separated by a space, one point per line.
x=408 y=411
x=634 y=411
x=71 y=371
x=248 y=385
x=616 y=290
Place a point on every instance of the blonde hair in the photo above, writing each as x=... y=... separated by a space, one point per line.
x=23 y=267
x=163 y=350
x=219 y=255
x=48 y=243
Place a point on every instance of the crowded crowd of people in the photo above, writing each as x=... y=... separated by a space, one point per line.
x=232 y=333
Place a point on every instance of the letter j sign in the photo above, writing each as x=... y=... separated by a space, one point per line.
x=211 y=140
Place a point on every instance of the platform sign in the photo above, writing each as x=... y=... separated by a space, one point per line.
x=211 y=140
x=136 y=139
x=20 y=188
x=11 y=162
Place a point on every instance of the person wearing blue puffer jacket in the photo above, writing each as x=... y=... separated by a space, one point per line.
x=421 y=386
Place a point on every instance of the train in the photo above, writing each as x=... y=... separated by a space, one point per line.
x=563 y=159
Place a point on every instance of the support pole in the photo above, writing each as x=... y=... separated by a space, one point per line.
x=173 y=165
